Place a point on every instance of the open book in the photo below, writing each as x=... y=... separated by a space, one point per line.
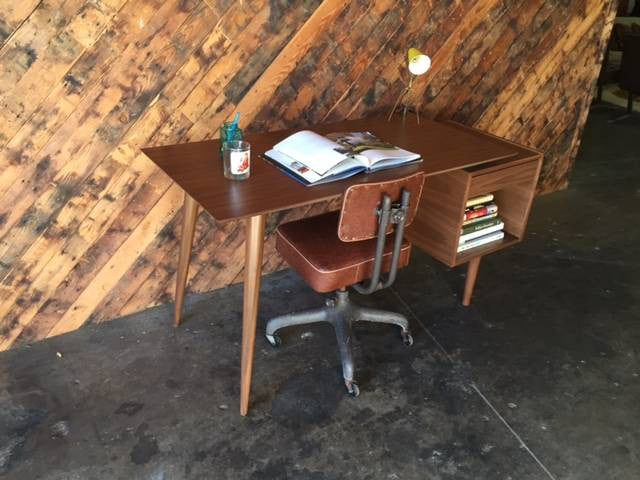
x=313 y=159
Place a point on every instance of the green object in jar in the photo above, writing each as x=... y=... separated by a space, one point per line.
x=225 y=129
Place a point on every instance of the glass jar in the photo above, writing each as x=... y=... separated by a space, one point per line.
x=236 y=157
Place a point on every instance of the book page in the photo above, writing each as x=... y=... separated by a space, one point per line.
x=293 y=165
x=312 y=150
x=397 y=154
x=371 y=150
x=342 y=170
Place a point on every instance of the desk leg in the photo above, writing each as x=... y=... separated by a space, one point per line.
x=186 y=242
x=472 y=273
x=254 y=243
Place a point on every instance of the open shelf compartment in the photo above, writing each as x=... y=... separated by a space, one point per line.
x=437 y=226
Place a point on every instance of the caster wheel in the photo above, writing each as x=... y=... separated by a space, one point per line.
x=407 y=338
x=353 y=389
x=274 y=340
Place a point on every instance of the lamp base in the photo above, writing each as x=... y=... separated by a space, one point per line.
x=405 y=109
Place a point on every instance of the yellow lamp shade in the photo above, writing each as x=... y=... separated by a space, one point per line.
x=419 y=63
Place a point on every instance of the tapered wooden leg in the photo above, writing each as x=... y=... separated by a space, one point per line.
x=472 y=273
x=186 y=242
x=254 y=243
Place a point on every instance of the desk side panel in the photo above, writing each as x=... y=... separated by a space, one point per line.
x=515 y=200
x=437 y=224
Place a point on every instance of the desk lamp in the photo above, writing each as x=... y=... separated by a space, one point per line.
x=418 y=64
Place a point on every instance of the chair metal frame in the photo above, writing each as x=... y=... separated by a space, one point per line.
x=340 y=312
x=629 y=74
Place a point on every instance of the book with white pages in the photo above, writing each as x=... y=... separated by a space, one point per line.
x=483 y=240
x=479 y=233
x=314 y=159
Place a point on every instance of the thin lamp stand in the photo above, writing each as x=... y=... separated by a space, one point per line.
x=405 y=106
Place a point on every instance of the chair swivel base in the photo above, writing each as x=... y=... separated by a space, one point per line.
x=340 y=312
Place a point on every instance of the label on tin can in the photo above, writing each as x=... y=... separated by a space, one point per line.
x=239 y=162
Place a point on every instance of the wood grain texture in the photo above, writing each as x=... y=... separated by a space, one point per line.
x=89 y=227
x=470 y=281
x=439 y=220
x=254 y=249
x=267 y=190
x=436 y=227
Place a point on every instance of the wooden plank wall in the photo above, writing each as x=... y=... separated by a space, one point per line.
x=88 y=226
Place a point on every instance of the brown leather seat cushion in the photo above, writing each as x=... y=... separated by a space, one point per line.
x=312 y=247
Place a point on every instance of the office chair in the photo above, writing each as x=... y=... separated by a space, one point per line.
x=608 y=74
x=351 y=248
x=629 y=76
x=630 y=68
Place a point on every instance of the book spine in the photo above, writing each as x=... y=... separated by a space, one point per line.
x=485 y=231
x=480 y=212
x=492 y=237
x=478 y=220
x=479 y=200
x=480 y=225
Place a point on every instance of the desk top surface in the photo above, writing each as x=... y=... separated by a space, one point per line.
x=197 y=166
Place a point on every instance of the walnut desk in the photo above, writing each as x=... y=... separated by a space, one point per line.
x=459 y=162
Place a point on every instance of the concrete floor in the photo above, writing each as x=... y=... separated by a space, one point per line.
x=538 y=379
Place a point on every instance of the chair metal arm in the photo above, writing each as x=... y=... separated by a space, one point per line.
x=388 y=214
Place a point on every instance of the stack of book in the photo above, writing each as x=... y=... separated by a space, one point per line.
x=480 y=224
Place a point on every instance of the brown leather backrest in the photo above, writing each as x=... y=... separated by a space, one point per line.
x=359 y=219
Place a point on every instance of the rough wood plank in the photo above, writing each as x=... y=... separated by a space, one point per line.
x=78 y=312
x=12 y=15
x=75 y=210
x=88 y=225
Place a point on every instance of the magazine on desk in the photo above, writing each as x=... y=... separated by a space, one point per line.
x=313 y=159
